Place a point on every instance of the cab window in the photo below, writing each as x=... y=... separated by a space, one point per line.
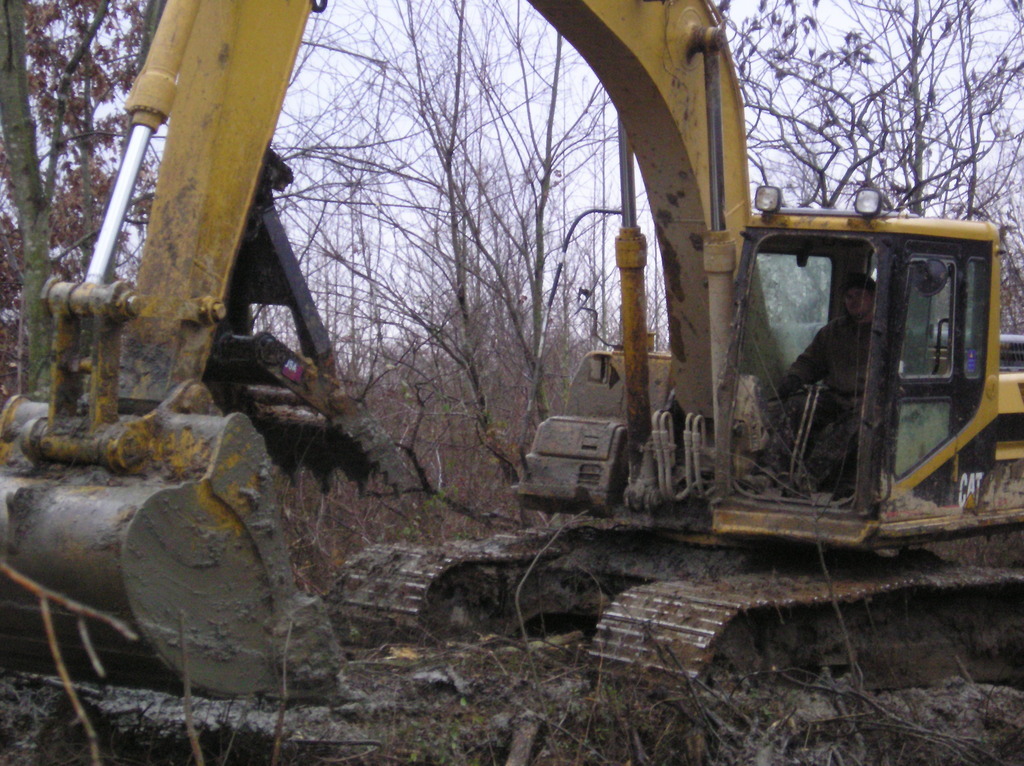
x=928 y=336
x=789 y=303
x=924 y=411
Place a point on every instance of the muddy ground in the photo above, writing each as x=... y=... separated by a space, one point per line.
x=508 y=701
x=502 y=701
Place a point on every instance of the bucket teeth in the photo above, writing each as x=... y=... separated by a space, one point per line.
x=379 y=448
x=350 y=438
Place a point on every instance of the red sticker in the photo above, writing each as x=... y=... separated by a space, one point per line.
x=292 y=370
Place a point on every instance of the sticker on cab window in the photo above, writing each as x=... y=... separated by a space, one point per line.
x=971 y=362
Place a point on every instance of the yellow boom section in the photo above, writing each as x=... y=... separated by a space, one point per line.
x=233 y=77
x=646 y=55
x=230 y=89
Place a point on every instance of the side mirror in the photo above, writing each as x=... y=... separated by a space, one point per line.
x=929 y=277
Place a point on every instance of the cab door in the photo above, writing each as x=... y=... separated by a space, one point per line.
x=942 y=289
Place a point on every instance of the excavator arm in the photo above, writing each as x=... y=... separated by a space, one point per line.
x=234 y=72
x=214 y=244
x=668 y=71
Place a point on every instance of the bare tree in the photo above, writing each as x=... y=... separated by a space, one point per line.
x=915 y=97
x=61 y=67
x=1010 y=216
x=467 y=137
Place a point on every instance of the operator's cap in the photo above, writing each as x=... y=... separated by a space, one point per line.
x=860 y=281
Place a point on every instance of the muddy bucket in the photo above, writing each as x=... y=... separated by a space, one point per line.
x=188 y=552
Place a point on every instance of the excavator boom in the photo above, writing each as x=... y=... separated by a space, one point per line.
x=651 y=58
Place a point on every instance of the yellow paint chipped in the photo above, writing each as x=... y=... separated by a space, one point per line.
x=220 y=514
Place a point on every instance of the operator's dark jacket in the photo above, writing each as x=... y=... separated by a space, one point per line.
x=837 y=356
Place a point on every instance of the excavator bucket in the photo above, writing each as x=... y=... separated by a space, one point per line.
x=186 y=549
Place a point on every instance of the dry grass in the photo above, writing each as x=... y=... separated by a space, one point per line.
x=326 y=529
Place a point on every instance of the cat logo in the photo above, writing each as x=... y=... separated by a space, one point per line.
x=970 y=487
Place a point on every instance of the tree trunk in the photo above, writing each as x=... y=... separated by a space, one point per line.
x=30 y=199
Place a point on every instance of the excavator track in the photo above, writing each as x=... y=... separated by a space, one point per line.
x=906 y=627
x=535 y=579
x=697 y=610
x=390 y=591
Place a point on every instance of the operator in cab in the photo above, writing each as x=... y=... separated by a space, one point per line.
x=836 y=358
x=838 y=354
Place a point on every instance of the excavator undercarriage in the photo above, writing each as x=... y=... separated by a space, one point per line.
x=694 y=608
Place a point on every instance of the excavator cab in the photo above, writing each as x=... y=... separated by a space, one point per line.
x=806 y=440
x=915 y=458
x=924 y=433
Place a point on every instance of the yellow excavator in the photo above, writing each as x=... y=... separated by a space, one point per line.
x=739 y=535
x=143 y=487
